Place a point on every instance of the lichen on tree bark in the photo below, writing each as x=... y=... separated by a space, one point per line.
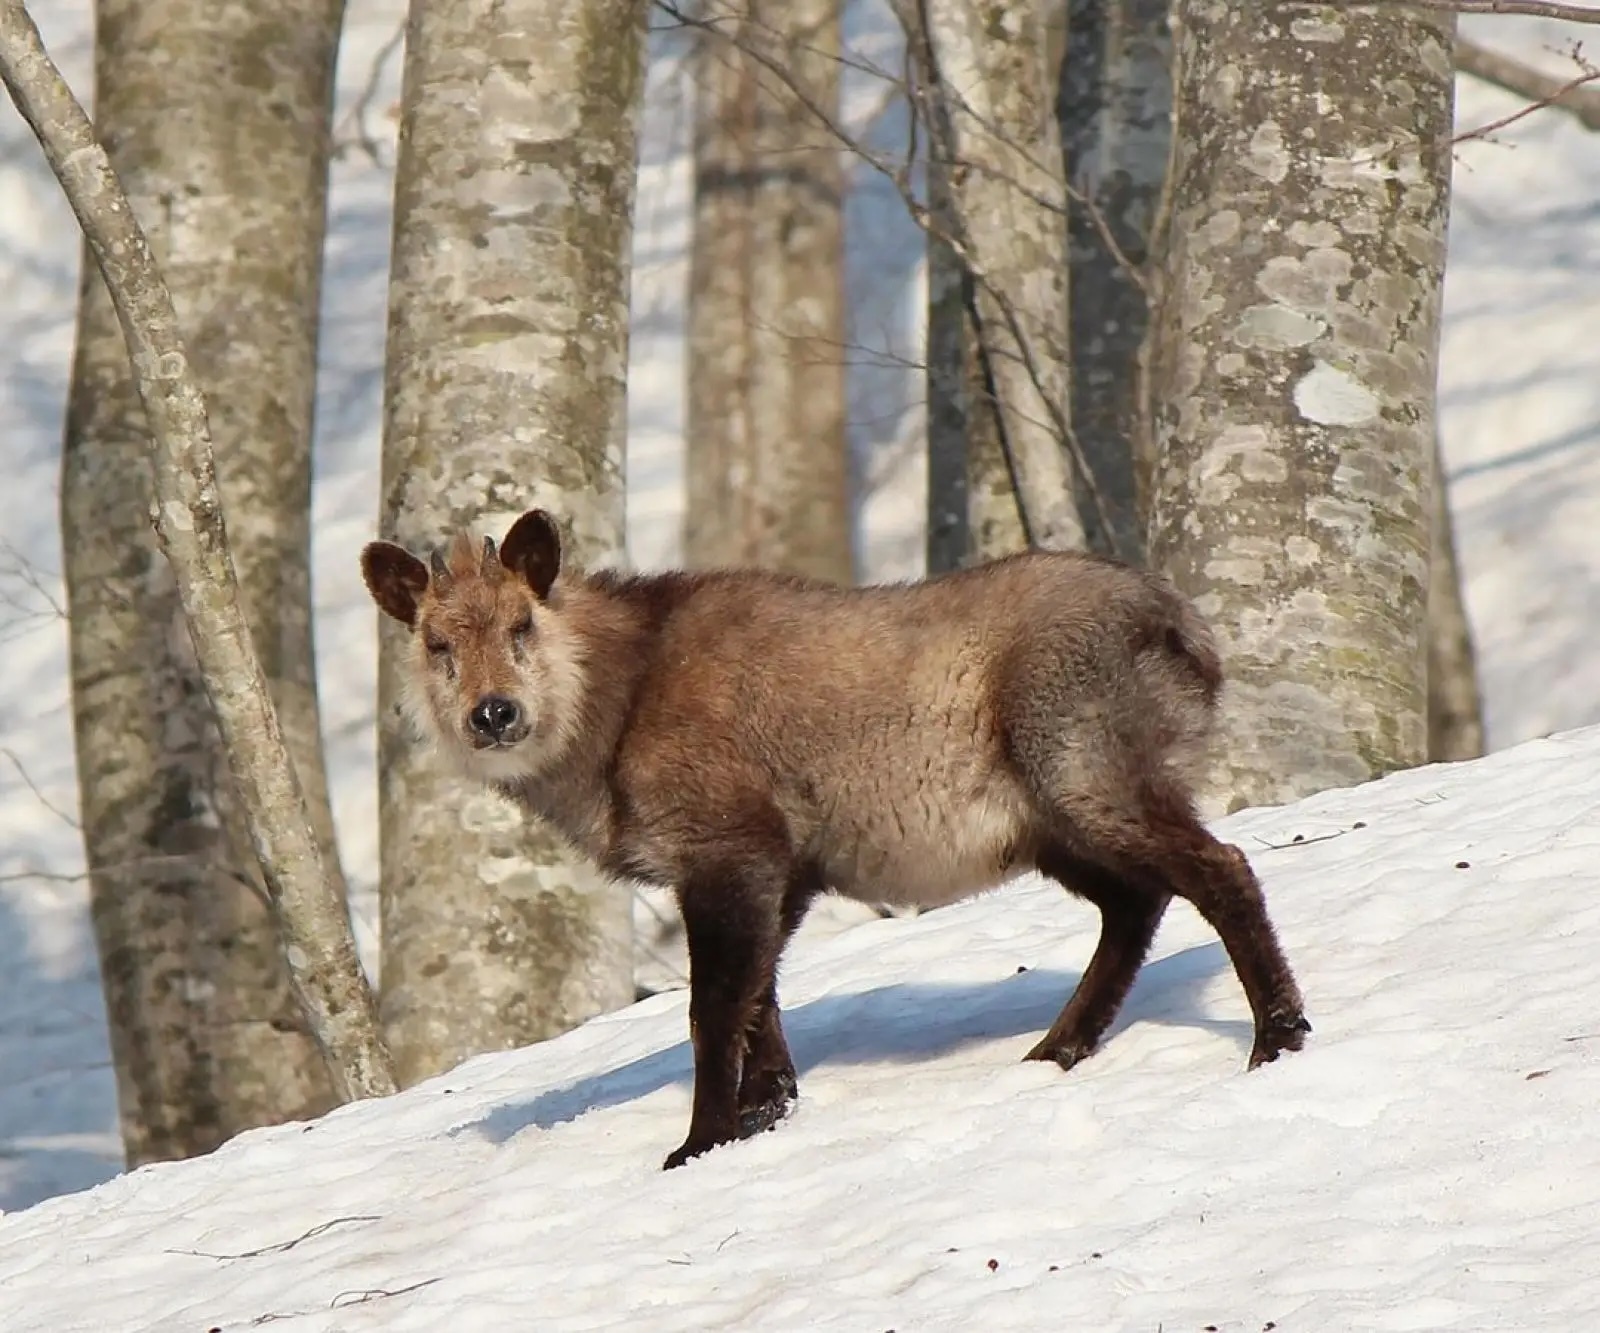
x=508 y=336
x=1294 y=372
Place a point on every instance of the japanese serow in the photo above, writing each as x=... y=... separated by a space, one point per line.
x=752 y=739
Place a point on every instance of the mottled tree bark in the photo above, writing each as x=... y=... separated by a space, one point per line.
x=1455 y=708
x=216 y=118
x=972 y=503
x=1114 y=105
x=766 y=447
x=1295 y=363
x=508 y=326
x=179 y=1103
x=1001 y=161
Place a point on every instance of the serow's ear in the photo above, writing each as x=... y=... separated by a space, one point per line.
x=532 y=551
x=395 y=578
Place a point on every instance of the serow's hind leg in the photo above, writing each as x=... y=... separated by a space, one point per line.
x=1170 y=845
x=1229 y=896
x=769 y=1084
x=1129 y=917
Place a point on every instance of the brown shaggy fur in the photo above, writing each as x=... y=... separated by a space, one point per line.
x=751 y=739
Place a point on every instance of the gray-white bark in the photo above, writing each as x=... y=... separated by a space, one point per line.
x=987 y=72
x=1114 y=105
x=205 y=1036
x=767 y=452
x=972 y=503
x=1295 y=364
x=1455 y=707
x=508 y=329
x=188 y=517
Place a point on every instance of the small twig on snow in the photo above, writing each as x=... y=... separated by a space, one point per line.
x=377 y=1293
x=282 y=1246
x=1300 y=840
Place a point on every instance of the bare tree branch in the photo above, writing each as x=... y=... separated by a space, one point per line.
x=1524 y=80
x=188 y=519
x=353 y=131
x=32 y=786
x=1485 y=131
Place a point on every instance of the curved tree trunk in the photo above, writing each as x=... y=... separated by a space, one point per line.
x=1295 y=367
x=1114 y=104
x=767 y=451
x=230 y=185
x=508 y=326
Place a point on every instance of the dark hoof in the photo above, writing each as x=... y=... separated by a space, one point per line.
x=688 y=1149
x=755 y=1120
x=1281 y=1034
x=1066 y=1054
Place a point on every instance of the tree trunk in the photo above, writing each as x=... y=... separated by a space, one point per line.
x=230 y=185
x=1114 y=105
x=972 y=503
x=1455 y=709
x=508 y=327
x=986 y=72
x=1295 y=364
x=767 y=451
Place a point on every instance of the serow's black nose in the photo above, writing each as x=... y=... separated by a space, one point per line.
x=494 y=715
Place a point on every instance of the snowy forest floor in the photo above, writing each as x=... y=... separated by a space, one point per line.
x=1521 y=429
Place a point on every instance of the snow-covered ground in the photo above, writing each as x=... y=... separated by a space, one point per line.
x=1427 y=1162
x=1521 y=396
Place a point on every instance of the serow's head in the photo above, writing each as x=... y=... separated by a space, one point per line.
x=494 y=677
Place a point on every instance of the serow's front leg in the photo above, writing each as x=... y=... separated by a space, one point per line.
x=731 y=925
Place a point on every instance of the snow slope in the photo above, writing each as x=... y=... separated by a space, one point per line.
x=1427 y=1162
x=1521 y=422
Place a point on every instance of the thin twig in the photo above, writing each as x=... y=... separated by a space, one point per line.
x=1300 y=840
x=1484 y=131
x=378 y=1293
x=1512 y=75
x=283 y=1246
x=357 y=114
x=32 y=786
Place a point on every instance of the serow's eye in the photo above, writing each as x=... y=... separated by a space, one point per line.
x=522 y=628
x=436 y=646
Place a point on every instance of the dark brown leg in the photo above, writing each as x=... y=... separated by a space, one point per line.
x=769 y=1084
x=731 y=922
x=1129 y=917
x=1225 y=891
x=1171 y=848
